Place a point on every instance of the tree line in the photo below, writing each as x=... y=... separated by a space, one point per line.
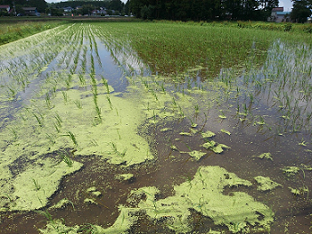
x=116 y=5
x=18 y=4
x=87 y=5
x=301 y=10
x=203 y=9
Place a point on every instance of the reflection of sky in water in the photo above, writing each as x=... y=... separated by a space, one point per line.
x=116 y=64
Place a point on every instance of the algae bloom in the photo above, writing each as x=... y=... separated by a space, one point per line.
x=205 y=195
x=265 y=183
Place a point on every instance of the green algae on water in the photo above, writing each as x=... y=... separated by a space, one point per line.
x=290 y=170
x=90 y=201
x=238 y=211
x=209 y=200
x=226 y=132
x=94 y=191
x=266 y=156
x=299 y=191
x=47 y=174
x=61 y=204
x=215 y=147
x=266 y=184
x=208 y=134
x=124 y=177
x=57 y=226
x=205 y=194
x=197 y=155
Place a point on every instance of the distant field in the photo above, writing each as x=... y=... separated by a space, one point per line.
x=12 y=29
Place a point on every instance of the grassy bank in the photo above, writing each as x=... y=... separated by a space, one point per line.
x=270 y=26
x=13 y=30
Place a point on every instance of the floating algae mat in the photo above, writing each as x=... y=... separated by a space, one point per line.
x=102 y=132
x=203 y=194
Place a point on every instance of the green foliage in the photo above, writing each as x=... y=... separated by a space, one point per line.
x=301 y=11
x=203 y=9
x=15 y=30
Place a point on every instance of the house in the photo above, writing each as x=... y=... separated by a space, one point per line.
x=102 y=11
x=5 y=8
x=279 y=15
x=68 y=9
x=31 y=11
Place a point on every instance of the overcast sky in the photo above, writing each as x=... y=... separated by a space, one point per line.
x=287 y=4
x=284 y=3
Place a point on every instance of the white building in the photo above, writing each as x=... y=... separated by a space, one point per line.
x=279 y=15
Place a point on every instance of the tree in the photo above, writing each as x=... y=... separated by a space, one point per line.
x=41 y=5
x=203 y=9
x=301 y=10
x=127 y=8
x=116 y=5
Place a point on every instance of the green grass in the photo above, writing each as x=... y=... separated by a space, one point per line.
x=14 y=30
x=172 y=47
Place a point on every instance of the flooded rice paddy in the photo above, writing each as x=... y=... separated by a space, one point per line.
x=155 y=128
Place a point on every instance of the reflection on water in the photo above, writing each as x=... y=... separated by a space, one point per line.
x=261 y=107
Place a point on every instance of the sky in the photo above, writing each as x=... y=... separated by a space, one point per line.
x=283 y=3
x=287 y=4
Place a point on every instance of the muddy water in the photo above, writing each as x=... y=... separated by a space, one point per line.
x=171 y=166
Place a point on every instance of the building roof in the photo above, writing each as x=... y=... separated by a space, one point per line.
x=278 y=9
x=4 y=6
x=282 y=13
x=29 y=8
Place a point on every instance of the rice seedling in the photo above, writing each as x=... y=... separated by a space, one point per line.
x=154 y=94
x=98 y=114
x=78 y=103
x=66 y=158
x=48 y=101
x=51 y=138
x=105 y=83
x=14 y=133
x=12 y=92
x=72 y=137
x=58 y=119
x=92 y=66
x=115 y=150
x=47 y=215
x=110 y=102
x=65 y=96
x=181 y=112
x=196 y=108
x=174 y=101
x=119 y=136
x=37 y=186
x=39 y=119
